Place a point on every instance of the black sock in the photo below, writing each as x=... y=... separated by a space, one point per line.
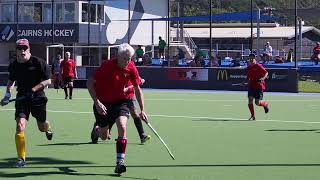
x=138 y=123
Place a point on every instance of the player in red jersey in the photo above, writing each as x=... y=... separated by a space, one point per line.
x=256 y=75
x=106 y=88
x=68 y=72
x=137 y=120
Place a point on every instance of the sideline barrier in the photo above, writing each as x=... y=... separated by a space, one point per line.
x=280 y=80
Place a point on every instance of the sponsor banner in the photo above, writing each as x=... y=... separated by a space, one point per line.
x=40 y=32
x=187 y=74
x=231 y=74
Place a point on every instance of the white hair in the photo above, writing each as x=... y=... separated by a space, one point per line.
x=125 y=49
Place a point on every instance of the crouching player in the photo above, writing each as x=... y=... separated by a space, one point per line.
x=110 y=102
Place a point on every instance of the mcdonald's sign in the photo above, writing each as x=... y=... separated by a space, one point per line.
x=222 y=75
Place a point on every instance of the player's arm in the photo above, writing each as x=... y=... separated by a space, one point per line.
x=92 y=91
x=140 y=99
x=75 y=71
x=7 y=95
x=41 y=85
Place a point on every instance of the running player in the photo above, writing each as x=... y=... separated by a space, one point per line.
x=256 y=75
x=32 y=76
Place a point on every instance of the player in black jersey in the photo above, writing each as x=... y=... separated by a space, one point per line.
x=31 y=75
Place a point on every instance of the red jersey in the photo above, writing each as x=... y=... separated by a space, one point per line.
x=316 y=50
x=111 y=80
x=254 y=73
x=130 y=92
x=68 y=68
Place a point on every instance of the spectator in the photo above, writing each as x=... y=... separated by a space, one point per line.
x=290 y=55
x=181 y=53
x=267 y=53
x=139 y=56
x=55 y=70
x=162 y=45
x=316 y=53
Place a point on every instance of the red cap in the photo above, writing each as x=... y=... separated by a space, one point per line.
x=23 y=42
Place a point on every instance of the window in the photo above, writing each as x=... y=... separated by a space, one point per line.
x=7 y=13
x=65 y=12
x=25 y=12
x=84 y=17
x=93 y=13
x=59 y=12
x=96 y=12
x=47 y=13
x=100 y=13
x=69 y=12
x=37 y=13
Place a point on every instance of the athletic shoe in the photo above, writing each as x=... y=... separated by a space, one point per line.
x=94 y=134
x=252 y=118
x=49 y=134
x=70 y=97
x=145 y=139
x=120 y=167
x=66 y=97
x=266 y=108
x=21 y=163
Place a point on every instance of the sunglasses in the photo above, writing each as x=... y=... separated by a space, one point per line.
x=22 y=48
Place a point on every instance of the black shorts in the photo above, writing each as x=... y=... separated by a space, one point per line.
x=67 y=80
x=37 y=107
x=114 y=110
x=161 y=51
x=256 y=93
x=131 y=104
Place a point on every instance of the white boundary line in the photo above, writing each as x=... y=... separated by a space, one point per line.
x=210 y=100
x=191 y=117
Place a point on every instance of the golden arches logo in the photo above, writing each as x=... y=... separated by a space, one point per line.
x=222 y=75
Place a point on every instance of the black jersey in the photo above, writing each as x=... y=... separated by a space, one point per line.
x=29 y=74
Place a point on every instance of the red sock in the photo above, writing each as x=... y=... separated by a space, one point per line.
x=251 y=110
x=263 y=103
x=121 y=147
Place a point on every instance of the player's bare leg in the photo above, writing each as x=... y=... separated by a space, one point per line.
x=251 y=109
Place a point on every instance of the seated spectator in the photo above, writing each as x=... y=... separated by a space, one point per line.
x=267 y=53
x=290 y=55
x=181 y=53
x=279 y=59
x=316 y=53
x=214 y=62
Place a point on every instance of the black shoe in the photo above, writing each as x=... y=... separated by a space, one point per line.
x=145 y=139
x=21 y=163
x=120 y=168
x=66 y=97
x=94 y=135
x=266 y=108
x=252 y=118
x=49 y=134
x=70 y=97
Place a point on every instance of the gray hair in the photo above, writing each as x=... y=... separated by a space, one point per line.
x=125 y=49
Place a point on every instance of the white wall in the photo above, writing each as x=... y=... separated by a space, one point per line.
x=140 y=31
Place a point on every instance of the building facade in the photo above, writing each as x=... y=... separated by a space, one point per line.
x=78 y=23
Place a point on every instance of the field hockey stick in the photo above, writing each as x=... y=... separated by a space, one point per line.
x=17 y=99
x=156 y=133
x=240 y=84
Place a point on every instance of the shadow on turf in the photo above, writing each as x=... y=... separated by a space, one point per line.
x=63 y=168
x=81 y=143
x=294 y=130
x=238 y=120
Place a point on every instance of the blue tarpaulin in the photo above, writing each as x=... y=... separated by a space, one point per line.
x=238 y=16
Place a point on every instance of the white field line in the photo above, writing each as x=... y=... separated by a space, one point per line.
x=191 y=117
x=212 y=100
